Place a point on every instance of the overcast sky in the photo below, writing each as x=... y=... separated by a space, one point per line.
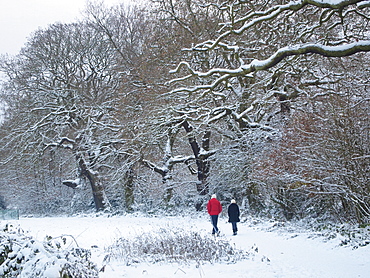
x=19 y=18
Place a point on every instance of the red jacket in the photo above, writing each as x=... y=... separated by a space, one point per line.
x=214 y=207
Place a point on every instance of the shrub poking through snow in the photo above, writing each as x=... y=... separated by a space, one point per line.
x=174 y=245
x=22 y=256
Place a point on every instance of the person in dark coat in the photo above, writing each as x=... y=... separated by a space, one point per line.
x=214 y=208
x=234 y=213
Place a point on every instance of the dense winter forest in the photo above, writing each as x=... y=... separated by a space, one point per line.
x=155 y=106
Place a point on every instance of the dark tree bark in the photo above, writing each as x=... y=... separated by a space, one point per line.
x=85 y=172
x=100 y=200
x=129 y=189
x=204 y=165
x=202 y=162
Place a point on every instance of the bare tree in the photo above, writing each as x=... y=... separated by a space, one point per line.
x=268 y=60
x=67 y=88
x=266 y=44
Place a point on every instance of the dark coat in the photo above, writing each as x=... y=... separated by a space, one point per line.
x=234 y=213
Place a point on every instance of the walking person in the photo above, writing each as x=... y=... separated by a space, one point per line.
x=214 y=208
x=233 y=213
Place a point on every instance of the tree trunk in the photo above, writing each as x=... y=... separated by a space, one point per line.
x=202 y=163
x=129 y=190
x=204 y=166
x=100 y=199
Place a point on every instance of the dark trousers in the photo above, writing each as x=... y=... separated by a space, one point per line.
x=214 y=219
x=235 y=228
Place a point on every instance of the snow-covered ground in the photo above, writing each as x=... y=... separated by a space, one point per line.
x=277 y=252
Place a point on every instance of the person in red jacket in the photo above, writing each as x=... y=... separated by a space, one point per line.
x=214 y=209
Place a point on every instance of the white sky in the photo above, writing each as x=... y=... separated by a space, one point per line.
x=19 y=18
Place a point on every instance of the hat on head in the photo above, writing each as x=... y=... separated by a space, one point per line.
x=213 y=196
x=233 y=201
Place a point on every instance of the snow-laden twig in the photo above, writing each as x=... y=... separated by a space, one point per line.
x=255 y=17
x=274 y=59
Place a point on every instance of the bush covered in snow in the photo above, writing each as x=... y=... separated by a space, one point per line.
x=174 y=245
x=23 y=256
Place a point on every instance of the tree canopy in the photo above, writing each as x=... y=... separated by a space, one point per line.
x=265 y=101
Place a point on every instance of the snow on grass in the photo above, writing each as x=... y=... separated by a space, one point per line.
x=270 y=250
x=174 y=245
x=23 y=256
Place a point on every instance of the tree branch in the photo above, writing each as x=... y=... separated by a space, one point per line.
x=278 y=56
x=256 y=17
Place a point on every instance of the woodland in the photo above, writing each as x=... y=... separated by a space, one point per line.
x=157 y=105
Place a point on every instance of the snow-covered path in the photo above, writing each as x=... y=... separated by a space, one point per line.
x=295 y=255
x=281 y=254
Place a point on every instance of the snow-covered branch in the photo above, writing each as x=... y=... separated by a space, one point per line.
x=169 y=163
x=255 y=17
x=278 y=56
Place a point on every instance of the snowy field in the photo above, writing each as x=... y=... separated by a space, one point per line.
x=274 y=252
